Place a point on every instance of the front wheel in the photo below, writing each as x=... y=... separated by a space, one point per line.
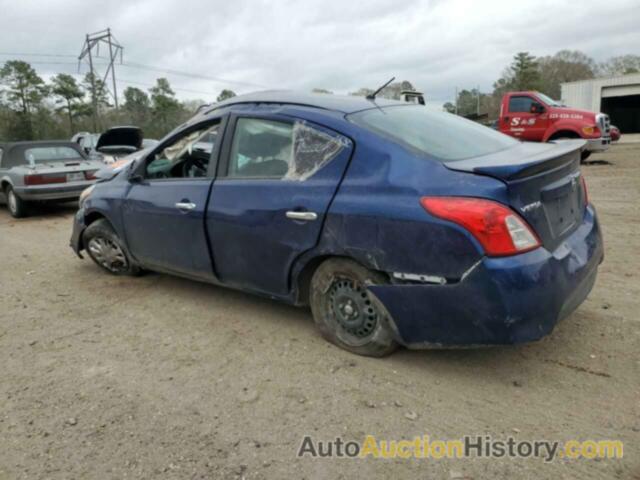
x=346 y=313
x=584 y=155
x=106 y=250
x=16 y=206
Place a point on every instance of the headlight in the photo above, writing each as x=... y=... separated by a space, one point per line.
x=84 y=195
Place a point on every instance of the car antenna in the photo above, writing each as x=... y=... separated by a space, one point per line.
x=372 y=96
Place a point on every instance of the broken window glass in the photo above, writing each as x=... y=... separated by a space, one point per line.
x=281 y=150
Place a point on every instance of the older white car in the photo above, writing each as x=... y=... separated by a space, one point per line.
x=43 y=171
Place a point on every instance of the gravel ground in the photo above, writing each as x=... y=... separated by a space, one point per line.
x=160 y=377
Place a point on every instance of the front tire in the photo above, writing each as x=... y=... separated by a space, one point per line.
x=346 y=313
x=107 y=250
x=584 y=155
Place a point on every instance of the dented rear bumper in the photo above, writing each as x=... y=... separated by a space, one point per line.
x=502 y=300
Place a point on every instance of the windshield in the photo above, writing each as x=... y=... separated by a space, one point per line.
x=549 y=101
x=441 y=135
x=50 y=154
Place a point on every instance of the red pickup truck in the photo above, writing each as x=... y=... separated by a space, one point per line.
x=534 y=117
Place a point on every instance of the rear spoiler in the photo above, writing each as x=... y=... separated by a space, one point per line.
x=524 y=160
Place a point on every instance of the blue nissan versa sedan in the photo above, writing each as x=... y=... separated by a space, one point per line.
x=395 y=223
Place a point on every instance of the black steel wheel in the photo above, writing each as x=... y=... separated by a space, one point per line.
x=346 y=313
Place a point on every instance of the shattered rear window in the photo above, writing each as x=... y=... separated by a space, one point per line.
x=273 y=149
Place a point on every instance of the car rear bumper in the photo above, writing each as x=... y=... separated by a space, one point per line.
x=598 y=144
x=501 y=300
x=53 y=192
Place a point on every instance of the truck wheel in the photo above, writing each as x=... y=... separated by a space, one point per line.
x=106 y=250
x=16 y=206
x=346 y=313
x=584 y=155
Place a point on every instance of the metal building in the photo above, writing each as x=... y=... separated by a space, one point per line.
x=619 y=97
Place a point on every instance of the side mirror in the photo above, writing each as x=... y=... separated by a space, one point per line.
x=536 y=108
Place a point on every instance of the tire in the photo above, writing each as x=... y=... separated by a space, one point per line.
x=106 y=249
x=16 y=206
x=584 y=155
x=344 y=311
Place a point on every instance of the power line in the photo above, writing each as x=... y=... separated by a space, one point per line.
x=140 y=66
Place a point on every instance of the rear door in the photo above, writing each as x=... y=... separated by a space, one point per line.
x=270 y=197
x=164 y=211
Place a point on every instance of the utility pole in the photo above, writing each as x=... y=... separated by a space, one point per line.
x=93 y=41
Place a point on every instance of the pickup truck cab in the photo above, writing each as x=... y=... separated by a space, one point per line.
x=534 y=117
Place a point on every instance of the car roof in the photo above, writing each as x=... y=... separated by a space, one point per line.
x=39 y=143
x=337 y=103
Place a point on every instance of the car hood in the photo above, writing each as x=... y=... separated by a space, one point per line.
x=120 y=139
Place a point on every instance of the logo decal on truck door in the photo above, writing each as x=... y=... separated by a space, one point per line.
x=515 y=121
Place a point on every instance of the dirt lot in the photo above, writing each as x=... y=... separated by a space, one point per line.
x=159 y=377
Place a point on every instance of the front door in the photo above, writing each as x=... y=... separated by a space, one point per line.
x=276 y=180
x=164 y=210
x=520 y=122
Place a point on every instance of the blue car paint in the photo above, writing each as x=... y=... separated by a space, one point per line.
x=502 y=300
x=374 y=216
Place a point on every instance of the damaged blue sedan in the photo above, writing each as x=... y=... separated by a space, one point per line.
x=396 y=224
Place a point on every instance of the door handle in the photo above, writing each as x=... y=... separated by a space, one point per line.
x=186 y=206
x=304 y=216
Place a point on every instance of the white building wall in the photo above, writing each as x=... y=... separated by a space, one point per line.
x=587 y=94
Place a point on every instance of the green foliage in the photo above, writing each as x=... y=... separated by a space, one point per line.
x=137 y=105
x=225 y=95
x=622 y=65
x=25 y=92
x=71 y=96
x=165 y=108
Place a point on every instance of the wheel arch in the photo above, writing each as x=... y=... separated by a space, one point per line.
x=304 y=269
x=563 y=133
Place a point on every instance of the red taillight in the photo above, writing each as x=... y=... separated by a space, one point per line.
x=43 y=179
x=499 y=229
x=90 y=175
x=585 y=192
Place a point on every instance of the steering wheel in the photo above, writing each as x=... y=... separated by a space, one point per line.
x=194 y=167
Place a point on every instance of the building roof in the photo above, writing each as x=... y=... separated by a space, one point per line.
x=613 y=80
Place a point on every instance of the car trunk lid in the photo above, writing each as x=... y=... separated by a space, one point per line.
x=543 y=181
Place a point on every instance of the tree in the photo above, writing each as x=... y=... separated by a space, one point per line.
x=71 y=95
x=622 y=65
x=564 y=66
x=524 y=72
x=137 y=105
x=225 y=95
x=25 y=91
x=165 y=109
x=322 y=90
x=99 y=96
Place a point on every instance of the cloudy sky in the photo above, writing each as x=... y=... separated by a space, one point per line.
x=335 y=44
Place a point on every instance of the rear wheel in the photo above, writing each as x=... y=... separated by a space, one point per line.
x=16 y=206
x=105 y=248
x=346 y=313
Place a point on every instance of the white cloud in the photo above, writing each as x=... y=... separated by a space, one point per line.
x=338 y=45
